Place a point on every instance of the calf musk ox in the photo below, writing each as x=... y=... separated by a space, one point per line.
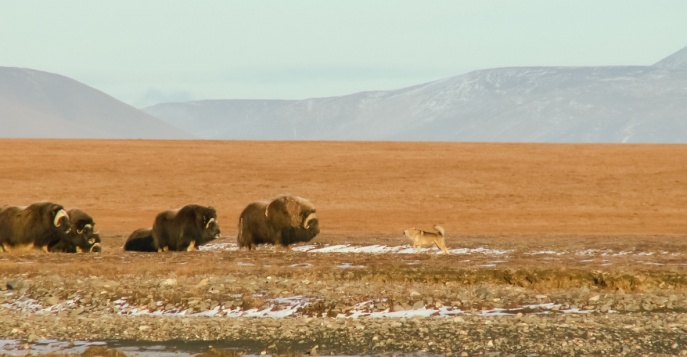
x=83 y=237
x=39 y=225
x=141 y=240
x=283 y=221
x=185 y=229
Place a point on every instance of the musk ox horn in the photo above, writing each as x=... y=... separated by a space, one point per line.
x=310 y=217
x=61 y=213
x=96 y=248
x=80 y=231
x=208 y=224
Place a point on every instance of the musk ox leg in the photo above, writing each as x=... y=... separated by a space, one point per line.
x=192 y=246
x=20 y=247
x=282 y=247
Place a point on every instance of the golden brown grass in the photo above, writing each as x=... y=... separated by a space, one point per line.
x=359 y=188
x=519 y=197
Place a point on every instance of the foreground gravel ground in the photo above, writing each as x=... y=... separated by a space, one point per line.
x=597 y=334
x=439 y=305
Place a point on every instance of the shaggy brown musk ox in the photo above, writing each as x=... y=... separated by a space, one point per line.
x=186 y=228
x=83 y=237
x=283 y=221
x=39 y=225
x=141 y=240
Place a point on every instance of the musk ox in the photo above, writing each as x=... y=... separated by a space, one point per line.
x=283 y=221
x=141 y=240
x=39 y=225
x=186 y=228
x=83 y=237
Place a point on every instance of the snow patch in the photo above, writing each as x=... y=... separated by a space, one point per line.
x=282 y=307
x=369 y=249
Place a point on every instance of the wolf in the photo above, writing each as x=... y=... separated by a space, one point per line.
x=420 y=238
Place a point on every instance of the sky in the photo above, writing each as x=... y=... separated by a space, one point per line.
x=145 y=52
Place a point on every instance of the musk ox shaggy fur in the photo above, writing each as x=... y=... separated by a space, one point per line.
x=39 y=225
x=141 y=240
x=83 y=237
x=283 y=221
x=185 y=229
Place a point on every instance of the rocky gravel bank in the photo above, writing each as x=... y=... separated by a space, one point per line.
x=345 y=304
x=553 y=334
x=337 y=316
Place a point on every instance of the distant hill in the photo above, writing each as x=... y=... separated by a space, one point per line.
x=611 y=104
x=676 y=61
x=35 y=104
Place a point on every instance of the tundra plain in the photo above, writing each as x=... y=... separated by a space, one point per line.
x=556 y=248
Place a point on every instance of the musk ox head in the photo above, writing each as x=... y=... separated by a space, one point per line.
x=298 y=211
x=283 y=221
x=209 y=224
x=83 y=233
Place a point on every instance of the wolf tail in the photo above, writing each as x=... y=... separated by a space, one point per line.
x=440 y=229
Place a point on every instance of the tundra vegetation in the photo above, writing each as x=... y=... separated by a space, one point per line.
x=554 y=249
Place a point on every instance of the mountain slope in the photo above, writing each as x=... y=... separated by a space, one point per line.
x=539 y=104
x=676 y=61
x=39 y=104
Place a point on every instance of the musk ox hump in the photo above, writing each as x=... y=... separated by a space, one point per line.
x=170 y=214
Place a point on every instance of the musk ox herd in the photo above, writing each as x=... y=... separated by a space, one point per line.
x=47 y=226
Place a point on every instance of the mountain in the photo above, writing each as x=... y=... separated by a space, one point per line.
x=676 y=61
x=35 y=104
x=613 y=104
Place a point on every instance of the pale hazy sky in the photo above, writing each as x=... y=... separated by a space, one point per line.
x=149 y=51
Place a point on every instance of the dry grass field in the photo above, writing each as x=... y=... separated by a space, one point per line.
x=581 y=225
x=364 y=188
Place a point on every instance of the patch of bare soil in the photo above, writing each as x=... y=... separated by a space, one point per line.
x=575 y=249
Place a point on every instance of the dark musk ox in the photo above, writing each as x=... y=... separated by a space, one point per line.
x=186 y=228
x=83 y=237
x=141 y=240
x=283 y=221
x=39 y=225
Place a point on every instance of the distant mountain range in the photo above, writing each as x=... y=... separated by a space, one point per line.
x=533 y=104
x=613 y=104
x=36 y=104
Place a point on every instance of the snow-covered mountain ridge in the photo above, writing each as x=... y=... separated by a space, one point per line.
x=527 y=104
